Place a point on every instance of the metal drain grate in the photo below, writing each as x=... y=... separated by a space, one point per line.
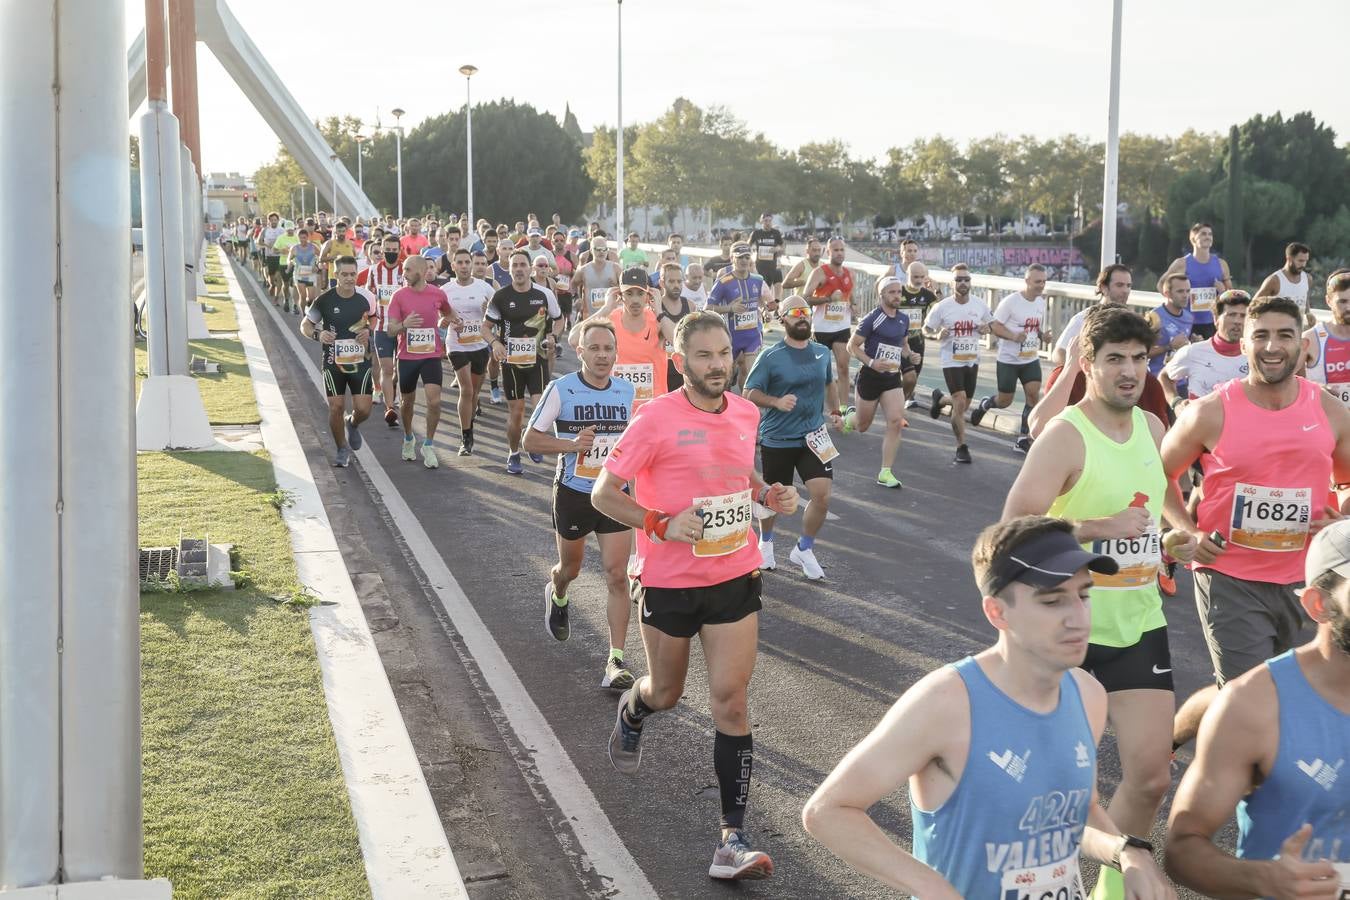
x=158 y=562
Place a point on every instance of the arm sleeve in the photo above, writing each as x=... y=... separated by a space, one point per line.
x=492 y=312
x=554 y=310
x=547 y=409
x=314 y=315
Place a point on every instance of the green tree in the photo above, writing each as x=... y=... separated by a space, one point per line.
x=276 y=182
x=985 y=173
x=601 y=160
x=1329 y=237
x=1270 y=210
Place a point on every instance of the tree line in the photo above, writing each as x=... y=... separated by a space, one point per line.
x=1283 y=178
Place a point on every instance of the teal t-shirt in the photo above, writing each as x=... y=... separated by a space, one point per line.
x=783 y=370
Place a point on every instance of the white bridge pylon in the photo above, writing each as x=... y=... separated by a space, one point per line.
x=230 y=44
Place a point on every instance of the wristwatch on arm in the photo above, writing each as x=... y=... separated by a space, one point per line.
x=1127 y=841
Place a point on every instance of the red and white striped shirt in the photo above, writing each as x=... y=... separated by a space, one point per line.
x=382 y=280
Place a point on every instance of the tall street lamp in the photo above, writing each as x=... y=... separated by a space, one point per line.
x=360 y=178
x=303 y=185
x=398 y=155
x=1111 y=181
x=468 y=71
x=618 y=214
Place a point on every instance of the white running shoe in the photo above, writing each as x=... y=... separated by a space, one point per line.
x=766 y=560
x=807 y=560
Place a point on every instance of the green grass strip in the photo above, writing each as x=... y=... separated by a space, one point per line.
x=228 y=396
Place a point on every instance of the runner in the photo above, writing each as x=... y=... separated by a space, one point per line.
x=829 y=288
x=673 y=306
x=999 y=749
x=1328 y=345
x=414 y=242
x=641 y=358
x=957 y=322
x=338 y=245
x=1172 y=320
x=1114 y=284
x=415 y=314
x=271 y=257
x=1097 y=465
x=595 y=278
x=915 y=299
x=714 y=267
x=580 y=417
x=768 y=244
x=795 y=279
x=881 y=344
x=630 y=255
x=382 y=280
x=241 y=239
x=534 y=245
x=793 y=383
x=1198 y=368
x=697 y=570
x=283 y=246
x=341 y=320
x=1268 y=444
x=694 y=290
x=526 y=320
x=909 y=254
x=1291 y=279
x=468 y=347
x=1019 y=322
x=1273 y=746
x=739 y=295
x=1208 y=275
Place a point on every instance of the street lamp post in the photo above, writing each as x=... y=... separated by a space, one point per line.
x=398 y=156
x=360 y=178
x=468 y=71
x=618 y=177
x=332 y=167
x=1111 y=180
x=303 y=185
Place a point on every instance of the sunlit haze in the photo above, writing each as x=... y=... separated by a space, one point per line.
x=873 y=75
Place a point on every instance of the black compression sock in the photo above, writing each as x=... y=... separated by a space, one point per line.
x=733 y=757
x=493 y=383
x=466 y=434
x=638 y=711
x=1026 y=415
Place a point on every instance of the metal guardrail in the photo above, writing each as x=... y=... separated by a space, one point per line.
x=1063 y=300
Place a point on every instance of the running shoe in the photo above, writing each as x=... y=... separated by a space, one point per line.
x=343 y=459
x=935 y=405
x=886 y=479
x=977 y=413
x=807 y=560
x=617 y=676
x=378 y=398
x=391 y=417
x=536 y=458
x=466 y=447
x=911 y=403
x=409 y=448
x=496 y=395
x=429 y=457
x=513 y=466
x=354 y=439
x=1167 y=579
x=734 y=860
x=766 y=558
x=848 y=413
x=963 y=454
x=1022 y=444
x=555 y=616
x=625 y=741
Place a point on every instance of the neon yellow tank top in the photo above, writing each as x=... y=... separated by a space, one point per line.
x=1116 y=476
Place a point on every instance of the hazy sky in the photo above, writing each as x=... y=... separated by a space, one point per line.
x=873 y=74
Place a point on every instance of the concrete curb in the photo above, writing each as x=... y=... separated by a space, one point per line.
x=403 y=843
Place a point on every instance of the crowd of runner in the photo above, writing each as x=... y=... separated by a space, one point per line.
x=1210 y=432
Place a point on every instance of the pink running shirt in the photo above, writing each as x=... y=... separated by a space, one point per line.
x=1265 y=482
x=675 y=454
x=424 y=341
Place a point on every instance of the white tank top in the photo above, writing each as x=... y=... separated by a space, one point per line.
x=1332 y=363
x=1294 y=290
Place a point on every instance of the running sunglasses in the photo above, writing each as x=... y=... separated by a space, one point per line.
x=796 y=312
x=961 y=278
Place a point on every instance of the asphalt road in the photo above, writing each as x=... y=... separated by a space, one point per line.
x=898 y=601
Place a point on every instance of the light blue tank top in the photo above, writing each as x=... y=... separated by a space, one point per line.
x=1011 y=828
x=1310 y=781
x=571 y=404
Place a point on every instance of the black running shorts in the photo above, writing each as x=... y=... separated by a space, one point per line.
x=574 y=517
x=410 y=370
x=961 y=380
x=682 y=612
x=779 y=463
x=339 y=380
x=1146 y=665
x=476 y=360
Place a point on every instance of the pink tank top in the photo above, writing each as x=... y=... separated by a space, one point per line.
x=1265 y=482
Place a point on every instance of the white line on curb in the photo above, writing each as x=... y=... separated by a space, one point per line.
x=601 y=844
x=403 y=843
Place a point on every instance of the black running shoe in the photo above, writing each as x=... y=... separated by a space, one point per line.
x=555 y=616
x=963 y=454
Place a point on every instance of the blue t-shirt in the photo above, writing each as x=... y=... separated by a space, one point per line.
x=567 y=406
x=878 y=328
x=748 y=290
x=783 y=370
x=432 y=253
x=1169 y=326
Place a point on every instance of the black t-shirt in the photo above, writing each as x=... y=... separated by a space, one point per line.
x=768 y=243
x=344 y=316
x=526 y=313
x=716 y=265
x=915 y=305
